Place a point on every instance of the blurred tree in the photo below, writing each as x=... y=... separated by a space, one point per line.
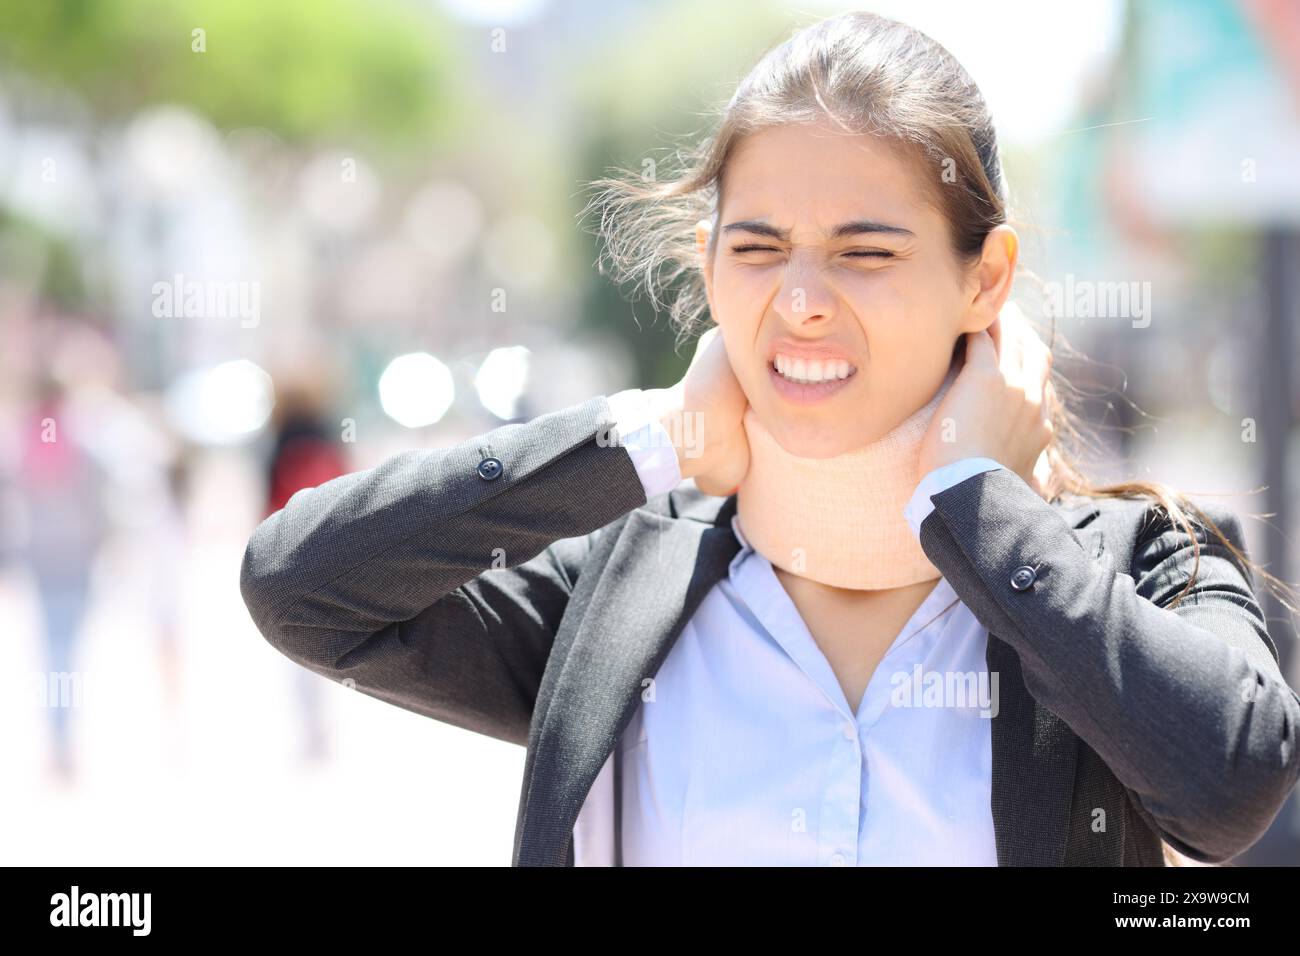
x=303 y=69
x=47 y=262
x=650 y=90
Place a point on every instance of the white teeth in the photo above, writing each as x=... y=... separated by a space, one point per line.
x=809 y=371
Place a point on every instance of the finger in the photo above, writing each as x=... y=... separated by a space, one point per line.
x=1014 y=319
x=1012 y=354
x=995 y=334
x=980 y=349
x=1042 y=473
x=1035 y=370
x=1011 y=314
x=1038 y=359
x=1016 y=334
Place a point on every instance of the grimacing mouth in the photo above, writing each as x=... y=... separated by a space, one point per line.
x=844 y=370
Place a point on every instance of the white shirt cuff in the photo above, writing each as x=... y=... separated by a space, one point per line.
x=647 y=442
x=941 y=478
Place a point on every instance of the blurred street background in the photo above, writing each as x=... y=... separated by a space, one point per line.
x=246 y=246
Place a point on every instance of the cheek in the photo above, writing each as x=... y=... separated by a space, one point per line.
x=886 y=305
x=899 y=309
x=742 y=292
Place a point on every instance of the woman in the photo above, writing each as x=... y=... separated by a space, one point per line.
x=714 y=613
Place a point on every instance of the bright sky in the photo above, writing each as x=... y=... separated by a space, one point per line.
x=1029 y=57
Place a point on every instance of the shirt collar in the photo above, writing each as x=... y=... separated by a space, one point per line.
x=740 y=536
x=746 y=549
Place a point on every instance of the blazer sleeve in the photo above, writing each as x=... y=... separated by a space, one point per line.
x=425 y=584
x=1187 y=706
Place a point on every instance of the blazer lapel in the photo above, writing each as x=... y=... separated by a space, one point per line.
x=657 y=574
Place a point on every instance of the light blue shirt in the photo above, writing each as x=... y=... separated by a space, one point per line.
x=743 y=750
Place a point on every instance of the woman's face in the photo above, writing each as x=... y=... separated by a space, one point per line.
x=830 y=253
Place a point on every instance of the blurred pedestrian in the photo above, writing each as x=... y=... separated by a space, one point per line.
x=58 y=485
x=305 y=452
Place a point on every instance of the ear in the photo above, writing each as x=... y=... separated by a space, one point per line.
x=991 y=279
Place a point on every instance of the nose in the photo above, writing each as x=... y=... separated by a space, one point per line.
x=804 y=298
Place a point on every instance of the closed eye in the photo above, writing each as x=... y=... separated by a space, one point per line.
x=854 y=254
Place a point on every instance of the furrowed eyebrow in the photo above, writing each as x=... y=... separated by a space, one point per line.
x=858 y=227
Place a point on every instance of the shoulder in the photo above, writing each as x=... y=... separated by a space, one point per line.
x=1140 y=534
x=1142 y=515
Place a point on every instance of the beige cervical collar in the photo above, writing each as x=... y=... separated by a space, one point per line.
x=839 y=520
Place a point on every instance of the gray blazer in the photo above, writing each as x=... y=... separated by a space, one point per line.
x=519 y=585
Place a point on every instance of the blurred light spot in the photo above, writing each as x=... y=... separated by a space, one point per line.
x=221 y=405
x=444 y=219
x=502 y=379
x=262 y=154
x=416 y=389
x=172 y=149
x=50 y=178
x=384 y=283
x=338 y=191
x=495 y=12
x=520 y=249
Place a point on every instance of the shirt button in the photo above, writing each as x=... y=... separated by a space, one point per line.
x=850 y=732
x=837 y=859
x=1022 y=577
x=490 y=469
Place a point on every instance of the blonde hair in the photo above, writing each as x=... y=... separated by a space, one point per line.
x=869 y=75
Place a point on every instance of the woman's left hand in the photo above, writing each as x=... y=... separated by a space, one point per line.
x=998 y=405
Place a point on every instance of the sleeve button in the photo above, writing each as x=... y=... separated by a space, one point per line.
x=489 y=469
x=1023 y=577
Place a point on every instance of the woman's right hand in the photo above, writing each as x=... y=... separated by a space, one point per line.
x=703 y=414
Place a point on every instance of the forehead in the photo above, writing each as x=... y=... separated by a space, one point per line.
x=817 y=175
